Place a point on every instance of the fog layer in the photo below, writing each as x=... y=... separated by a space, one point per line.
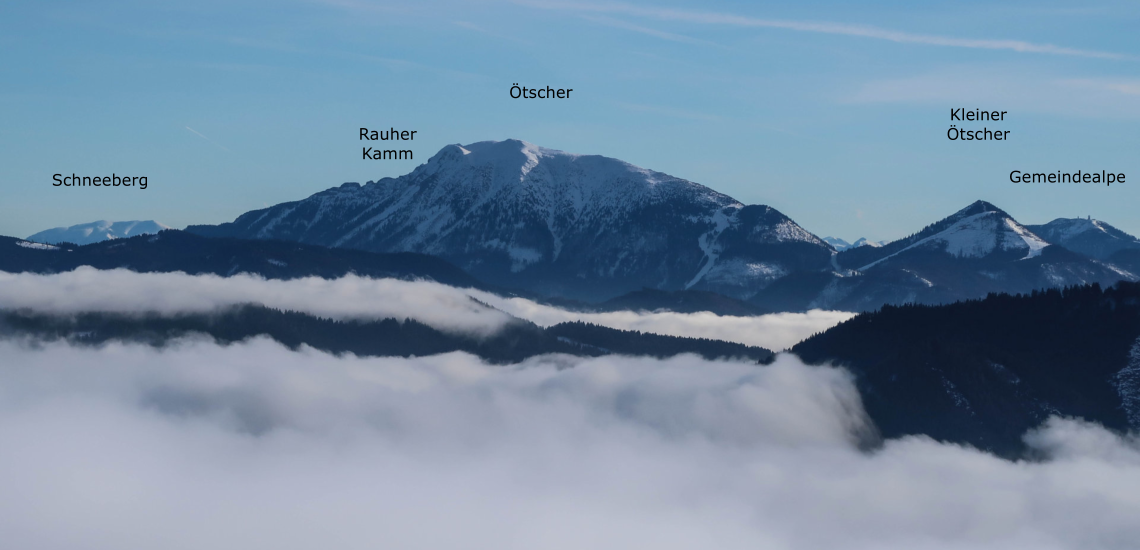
x=253 y=446
x=351 y=297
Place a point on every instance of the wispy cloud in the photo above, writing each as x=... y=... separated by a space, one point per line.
x=481 y=30
x=1126 y=87
x=619 y=24
x=199 y=134
x=400 y=65
x=1088 y=97
x=670 y=112
x=824 y=27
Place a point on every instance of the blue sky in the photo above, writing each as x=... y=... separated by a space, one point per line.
x=833 y=112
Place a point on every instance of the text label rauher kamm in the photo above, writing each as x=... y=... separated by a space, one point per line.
x=390 y=135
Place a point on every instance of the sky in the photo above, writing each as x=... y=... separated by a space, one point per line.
x=835 y=113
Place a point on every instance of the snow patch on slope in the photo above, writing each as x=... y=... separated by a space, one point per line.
x=707 y=242
x=1076 y=227
x=786 y=231
x=1034 y=243
x=741 y=273
x=36 y=246
x=977 y=236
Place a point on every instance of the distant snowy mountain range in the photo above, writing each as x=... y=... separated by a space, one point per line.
x=841 y=245
x=592 y=228
x=94 y=232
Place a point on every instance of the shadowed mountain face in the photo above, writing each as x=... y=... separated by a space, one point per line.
x=179 y=251
x=577 y=226
x=983 y=372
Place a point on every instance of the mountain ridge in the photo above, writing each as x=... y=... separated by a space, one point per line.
x=975 y=251
x=1091 y=237
x=591 y=228
x=576 y=226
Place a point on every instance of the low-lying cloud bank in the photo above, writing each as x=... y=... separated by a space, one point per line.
x=251 y=445
x=352 y=297
x=777 y=331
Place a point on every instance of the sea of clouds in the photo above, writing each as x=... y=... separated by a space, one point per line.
x=252 y=445
x=352 y=297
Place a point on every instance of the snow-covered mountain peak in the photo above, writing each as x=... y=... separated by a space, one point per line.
x=513 y=171
x=837 y=243
x=1087 y=236
x=975 y=232
x=862 y=241
x=840 y=245
x=1064 y=229
x=102 y=230
x=517 y=214
x=977 y=207
x=982 y=233
x=510 y=155
x=976 y=250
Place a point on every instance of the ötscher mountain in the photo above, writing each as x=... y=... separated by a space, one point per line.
x=579 y=226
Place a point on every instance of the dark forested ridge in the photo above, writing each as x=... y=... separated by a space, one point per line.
x=983 y=372
x=173 y=250
x=389 y=337
x=632 y=342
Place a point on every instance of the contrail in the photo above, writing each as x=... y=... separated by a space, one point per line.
x=199 y=134
x=863 y=31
